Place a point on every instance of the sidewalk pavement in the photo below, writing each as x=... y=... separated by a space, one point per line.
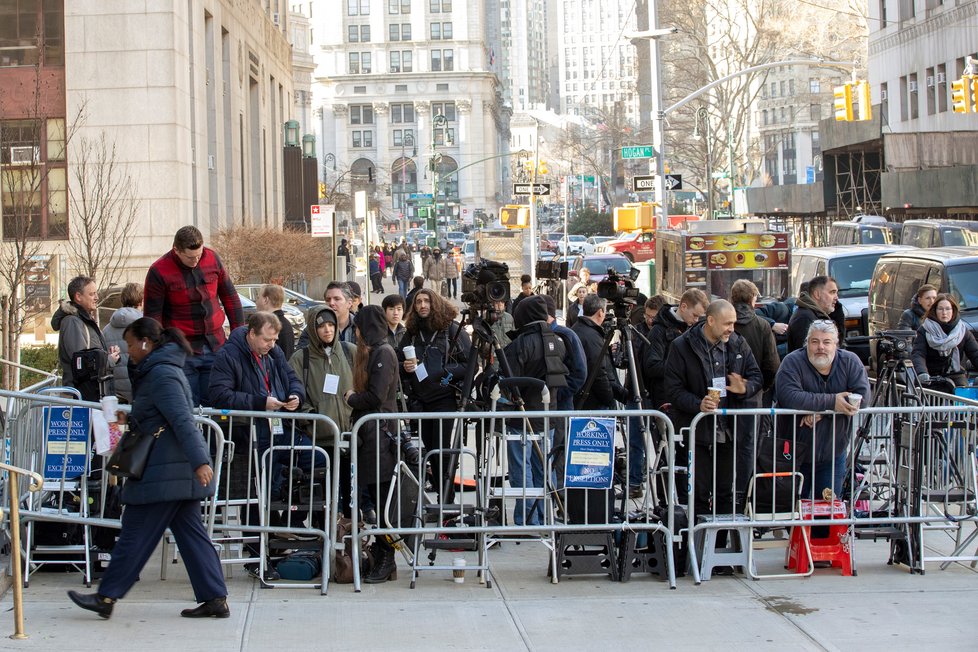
x=884 y=607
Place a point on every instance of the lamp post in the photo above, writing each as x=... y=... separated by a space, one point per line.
x=438 y=122
x=406 y=139
x=704 y=115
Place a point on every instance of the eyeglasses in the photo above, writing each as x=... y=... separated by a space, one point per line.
x=823 y=322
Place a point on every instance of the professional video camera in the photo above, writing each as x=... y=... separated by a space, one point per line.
x=484 y=283
x=620 y=291
x=552 y=270
x=895 y=345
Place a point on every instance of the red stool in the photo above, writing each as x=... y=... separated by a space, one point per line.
x=833 y=548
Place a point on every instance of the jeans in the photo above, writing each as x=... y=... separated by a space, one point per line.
x=829 y=473
x=526 y=470
x=197 y=369
x=636 y=447
x=402 y=287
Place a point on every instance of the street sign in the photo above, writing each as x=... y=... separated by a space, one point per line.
x=638 y=151
x=674 y=182
x=321 y=220
x=539 y=189
x=414 y=196
x=721 y=175
x=810 y=174
x=643 y=184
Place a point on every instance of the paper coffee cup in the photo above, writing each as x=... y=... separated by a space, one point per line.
x=713 y=393
x=855 y=399
x=409 y=353
x=110 y=405
x=458 y=570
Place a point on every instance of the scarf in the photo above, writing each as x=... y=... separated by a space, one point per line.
x=945 y=342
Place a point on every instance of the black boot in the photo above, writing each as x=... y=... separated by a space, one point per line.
x=93 y=602
x=216 y=608
x=385 y=566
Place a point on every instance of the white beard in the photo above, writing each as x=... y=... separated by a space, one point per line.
x=821 y=362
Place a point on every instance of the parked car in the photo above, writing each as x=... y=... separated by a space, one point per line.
x=292 y=298
x=455 y=238
x=940 y=233
x=846 y=233
x=574 y=245
x=595 y=241
x=898 y=275
x=468 y=252
x=598 y=264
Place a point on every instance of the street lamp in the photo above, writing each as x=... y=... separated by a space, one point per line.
x=438 y=122
x=308 y=146
x=406 y=139
x=291 y=133
x=330 y=158
x=703 y=114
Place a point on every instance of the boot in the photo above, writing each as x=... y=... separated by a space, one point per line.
x=216 y=608
x=385 y=566
x=93 y=602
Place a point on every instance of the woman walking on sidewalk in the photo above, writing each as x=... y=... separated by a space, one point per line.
x=177 y=477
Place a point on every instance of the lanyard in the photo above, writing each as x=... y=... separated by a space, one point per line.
x=262 y=372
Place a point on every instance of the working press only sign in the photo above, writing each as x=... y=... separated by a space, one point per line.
x=590 y=453
x=66 y=445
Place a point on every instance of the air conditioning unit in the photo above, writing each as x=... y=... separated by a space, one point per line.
x=24 y=155
x=940 y=78
x=275 y=18
x=912 y=86
x=883 y=94
x=930 y=81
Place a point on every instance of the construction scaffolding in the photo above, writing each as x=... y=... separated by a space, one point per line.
x=857 y=180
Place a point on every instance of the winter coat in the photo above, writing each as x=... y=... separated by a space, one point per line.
x=375 y=267
x=237 y=384
x=432 y=350
x=286 y=335
x=688 y=376
x=403 y=270
x=322 y=360
x=77 y=331
x=527 y=358
x=928 y=360
x=799 y=386
x=435 y=269
x=502 y=327
x=761 y=340
x=912 y=316
x=666 y=327
x=606 y=388
x=394 y=337
x=161 y=397
x=375 y=446
x=451 y=267
x=576 y=364
x=112 y=334
x=572 y=314
x=808 y=311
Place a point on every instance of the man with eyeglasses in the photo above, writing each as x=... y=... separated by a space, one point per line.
x=818 y=378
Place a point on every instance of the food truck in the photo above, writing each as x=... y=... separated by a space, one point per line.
x=712 y=254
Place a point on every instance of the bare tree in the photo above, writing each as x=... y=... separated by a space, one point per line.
x=268 y=255
x=104 y=210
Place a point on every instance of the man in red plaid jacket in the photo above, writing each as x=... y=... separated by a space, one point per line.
x=189 y=288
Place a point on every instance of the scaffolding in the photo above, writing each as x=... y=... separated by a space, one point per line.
x=857 y=182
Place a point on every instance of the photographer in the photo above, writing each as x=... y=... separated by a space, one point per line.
x=606 y=389
x=431 y=331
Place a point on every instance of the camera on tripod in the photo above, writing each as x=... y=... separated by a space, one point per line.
x=619 y=290
x=895 y=345
x=552 y=270
x=485 y=283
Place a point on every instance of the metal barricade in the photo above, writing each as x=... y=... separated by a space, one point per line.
x=460 y=492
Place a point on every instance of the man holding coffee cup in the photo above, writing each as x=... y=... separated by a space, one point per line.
x=821 y=377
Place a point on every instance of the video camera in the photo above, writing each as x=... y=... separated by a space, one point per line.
x=552 y=270
x=485 y=283
x=895 y=345
x=619 y=289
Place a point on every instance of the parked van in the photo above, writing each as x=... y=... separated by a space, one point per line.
x=940 y=233
x=847 y=233
x=898 y=275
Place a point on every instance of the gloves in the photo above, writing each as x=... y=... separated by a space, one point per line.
x=923 y=377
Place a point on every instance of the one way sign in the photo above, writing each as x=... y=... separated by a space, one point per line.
x=674 y=182
x=539 y=189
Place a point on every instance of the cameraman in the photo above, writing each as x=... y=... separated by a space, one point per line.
x=441 y=347
x=606 y=388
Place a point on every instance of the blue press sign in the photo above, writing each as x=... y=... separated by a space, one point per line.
x=590 y=453
x=66 y=442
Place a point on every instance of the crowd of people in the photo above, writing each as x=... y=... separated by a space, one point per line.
x=693 y=357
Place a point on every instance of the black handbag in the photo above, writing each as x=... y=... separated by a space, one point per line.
x=129 y=458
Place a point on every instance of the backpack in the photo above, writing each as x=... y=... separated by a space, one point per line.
x=553 y=358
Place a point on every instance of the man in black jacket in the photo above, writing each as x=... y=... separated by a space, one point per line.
x=757 y=331
x=606 y=388
x=711 y=356
x=670 y=322
x=821 y=301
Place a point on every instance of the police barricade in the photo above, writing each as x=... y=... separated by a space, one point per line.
x=889 y=474
x=461 y=482
x=53 y=439
x=280 y=493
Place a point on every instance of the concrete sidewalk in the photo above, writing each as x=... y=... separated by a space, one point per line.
x=884 y=607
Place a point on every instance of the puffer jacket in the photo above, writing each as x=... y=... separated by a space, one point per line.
x=435 y=269
x=375 y=449
x=666 y=327
x=161 y=397
x=451 y=267
x=404 y=270
x=77 y=331
x=112 y=333
x=323 y=360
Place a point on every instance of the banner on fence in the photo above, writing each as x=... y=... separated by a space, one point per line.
x=590 y=453
x=66 y=443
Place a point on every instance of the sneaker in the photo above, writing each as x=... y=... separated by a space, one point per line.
x=254 y=569
x=636 y=492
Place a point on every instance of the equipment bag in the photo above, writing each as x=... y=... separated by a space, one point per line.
x=302 y=565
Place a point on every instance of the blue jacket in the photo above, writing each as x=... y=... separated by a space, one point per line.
x=799 y=386
x=161 y=397
x=576 y=366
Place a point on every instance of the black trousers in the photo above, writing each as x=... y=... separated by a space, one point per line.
x=714 y=486
x=437 y=433
x=142 y=528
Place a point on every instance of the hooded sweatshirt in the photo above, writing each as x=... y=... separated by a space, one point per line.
x=112 y=333
x=313 y=363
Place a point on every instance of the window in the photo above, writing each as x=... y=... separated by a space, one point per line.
x=33 y=179
x=399 y=7
x=440 y=6
x=435 y=60
x=441 y=87
x=884 y=104
x=441 y=31
x=914 y=96
x=358 y=33
x=358 y=7
x=764 y=113
x=363 y=138
x=815 y=111
x=791 y=87
x=814 y=85
x=23 y=24
x=444 y=136
x=401 y=61
x=941 y=85
x=774 y=89
x=782 y=88
x=931 y=91
x=446 y=109
x=435 y=31
x=56 y=139
x=401 y=32
x=361 y=114
x=400 y=88
x=446 y=31
x=448 y=59
x=404 y=138
x=359 y=63
x=395 y=61
x=359 y=90
x=904 y=102
x=883 y=20
x=402 y=113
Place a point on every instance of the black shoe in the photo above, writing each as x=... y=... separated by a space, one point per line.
x=370 y=516
x=271 y=575
x=635 y=492
x=93 y=602
x=384 y=568
x=216 y=608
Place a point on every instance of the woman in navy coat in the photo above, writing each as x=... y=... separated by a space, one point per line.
x=177 y=477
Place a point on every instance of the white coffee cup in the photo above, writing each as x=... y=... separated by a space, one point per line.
x=110 y=405
x=458 y=570
x=854 y=399
x=409 y=353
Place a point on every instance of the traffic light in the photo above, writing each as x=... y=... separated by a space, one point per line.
x=974 y=93
x=514 y=216
x=864 y=96
x=543 y=169
x=322 y=191
x=843 y=102
x=960 y=99
x=632 y=216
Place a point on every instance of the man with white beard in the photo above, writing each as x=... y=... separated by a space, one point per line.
x=818 y=378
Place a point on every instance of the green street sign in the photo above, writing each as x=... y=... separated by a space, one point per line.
x=721 y=175
x=638 y=151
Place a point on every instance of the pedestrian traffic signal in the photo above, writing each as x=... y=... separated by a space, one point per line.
x=864 y=97
x=974 y=93
x=322 y=191
x=843 y=102
x=960 y=96
x=514 y=216
x=632 y=216
x=543 y=169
